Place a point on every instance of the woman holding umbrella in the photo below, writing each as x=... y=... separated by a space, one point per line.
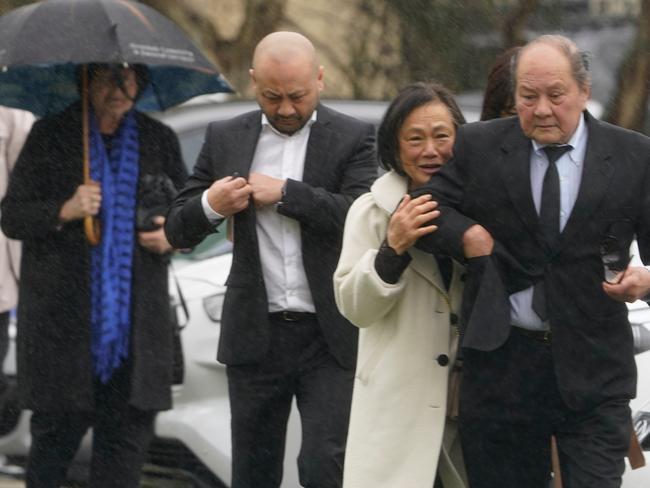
x=94 y=326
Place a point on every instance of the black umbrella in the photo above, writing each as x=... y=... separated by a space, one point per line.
x=41 y=44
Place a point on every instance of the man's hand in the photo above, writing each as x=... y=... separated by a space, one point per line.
x=405 y=226
x=87 y=200
x=229 y=195
x=266 y=189
x=155 y=241
x=634 y=284
x=477 y=242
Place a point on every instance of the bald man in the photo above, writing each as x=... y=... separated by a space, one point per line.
x=285 y=175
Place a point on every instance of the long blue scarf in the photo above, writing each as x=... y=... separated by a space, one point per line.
x=112 y=259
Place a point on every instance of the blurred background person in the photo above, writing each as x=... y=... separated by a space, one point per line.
x=498 y=98
x=14 y=127
x=405 y=302
x=94 y=345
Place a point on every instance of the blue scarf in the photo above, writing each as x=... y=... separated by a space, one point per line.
x=112 y=259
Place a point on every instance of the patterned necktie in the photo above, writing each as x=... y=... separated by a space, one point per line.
x=549 y=217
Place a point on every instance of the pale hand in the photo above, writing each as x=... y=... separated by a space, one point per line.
x=155 y=241
x=406 y=225
x=634 y=284
x=86 y=201
x=229 y=195
x=477 y=242
x=266 y=189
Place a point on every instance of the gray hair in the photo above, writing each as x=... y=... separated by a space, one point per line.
x=578 y=60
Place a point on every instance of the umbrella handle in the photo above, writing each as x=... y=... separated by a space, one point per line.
x=92 y=227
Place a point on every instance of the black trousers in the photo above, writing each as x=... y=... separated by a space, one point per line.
x=121 y=435
x=298 y=365
x=510 y=406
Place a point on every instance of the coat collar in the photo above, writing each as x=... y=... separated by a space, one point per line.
x=387 y=191
x=247 y=133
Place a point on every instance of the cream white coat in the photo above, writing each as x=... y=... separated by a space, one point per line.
x=399 y=401
x=14 y=127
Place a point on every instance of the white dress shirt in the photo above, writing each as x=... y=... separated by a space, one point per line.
x=280 y=156
x=569 y=167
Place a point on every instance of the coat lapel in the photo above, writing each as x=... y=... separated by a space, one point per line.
x=244 y=139
x=318 y=145
x=515 y=171
x=596 y=175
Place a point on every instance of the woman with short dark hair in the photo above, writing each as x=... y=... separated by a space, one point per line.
x=498 y=98
x=405 y=302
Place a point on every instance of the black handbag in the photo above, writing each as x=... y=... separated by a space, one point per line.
x=156 y=192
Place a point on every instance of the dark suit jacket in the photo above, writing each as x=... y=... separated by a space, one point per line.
x=488 y=182
x=340 y=165
x=54 y=357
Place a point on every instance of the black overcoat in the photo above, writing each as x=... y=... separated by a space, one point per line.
x=54 y=337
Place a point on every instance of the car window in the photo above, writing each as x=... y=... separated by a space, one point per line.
x=214 y=245
x=191 y=142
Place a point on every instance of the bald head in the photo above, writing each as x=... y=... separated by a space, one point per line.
x=287 y=80
x=281 y=48
x=565 y=47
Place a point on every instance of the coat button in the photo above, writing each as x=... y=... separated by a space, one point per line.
x=453 y=318
x=443 y=360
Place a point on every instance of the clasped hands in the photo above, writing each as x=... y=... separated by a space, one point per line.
x=233 y=194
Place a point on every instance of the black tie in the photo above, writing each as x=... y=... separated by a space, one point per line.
x=549 y=217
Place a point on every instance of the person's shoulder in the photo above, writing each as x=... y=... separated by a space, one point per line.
x=328 y=115
x=493 y=126
x=489 y=130
x=145 y=120
x=68 y=118
x=242 y=121
x=625 y=136
x=15 y=117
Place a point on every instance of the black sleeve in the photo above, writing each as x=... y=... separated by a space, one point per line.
x=324 y=211
x=390 y=265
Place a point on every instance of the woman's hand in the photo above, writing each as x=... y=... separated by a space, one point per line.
x=406 y=223
x=155 y=241
x=87 y=200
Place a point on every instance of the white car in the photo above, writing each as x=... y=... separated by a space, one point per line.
x=193 y=439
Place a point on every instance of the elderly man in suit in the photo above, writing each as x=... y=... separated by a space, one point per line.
x=546 y=350
x=285 y=175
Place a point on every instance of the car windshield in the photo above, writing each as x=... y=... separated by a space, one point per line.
x=214 y=245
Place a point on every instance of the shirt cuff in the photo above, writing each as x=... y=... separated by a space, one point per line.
x=389 y=265
x=213 y=217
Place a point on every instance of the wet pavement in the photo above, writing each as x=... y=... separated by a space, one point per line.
x=154 y=477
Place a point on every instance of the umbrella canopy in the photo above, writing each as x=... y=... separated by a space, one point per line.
x=41 y=44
